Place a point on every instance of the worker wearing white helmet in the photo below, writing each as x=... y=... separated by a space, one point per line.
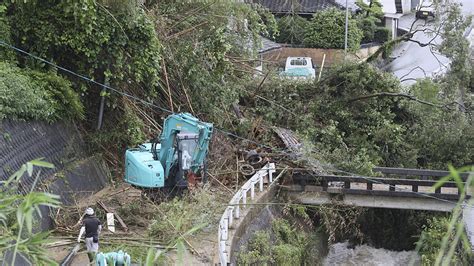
x=92 y=227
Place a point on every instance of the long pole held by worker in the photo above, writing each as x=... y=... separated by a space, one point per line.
x=345 y=32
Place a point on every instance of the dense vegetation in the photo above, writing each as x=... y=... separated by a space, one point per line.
x=198 y=56
x=358 y=117
x=430 y=243
x=28 y=94
x=326 y=28
x=282 y=244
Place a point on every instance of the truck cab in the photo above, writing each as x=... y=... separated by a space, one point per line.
x=299 y=68
x=425 y=9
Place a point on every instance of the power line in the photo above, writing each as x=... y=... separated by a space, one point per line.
x=82 y=76
x=2 y=42
x=115 y=90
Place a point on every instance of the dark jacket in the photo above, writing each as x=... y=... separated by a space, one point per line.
x=91 y=223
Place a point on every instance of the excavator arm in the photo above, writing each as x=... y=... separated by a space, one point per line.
x=184 y=141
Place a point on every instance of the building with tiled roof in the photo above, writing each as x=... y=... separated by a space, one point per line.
x=302 y=7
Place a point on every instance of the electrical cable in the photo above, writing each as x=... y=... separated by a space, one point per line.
x=2 y=42
x=117 y=91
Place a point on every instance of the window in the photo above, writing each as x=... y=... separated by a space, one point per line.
x=298 y=62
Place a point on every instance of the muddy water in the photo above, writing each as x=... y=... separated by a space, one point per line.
x=342 y=254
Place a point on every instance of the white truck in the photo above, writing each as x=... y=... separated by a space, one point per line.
x=425 y=9
x=299 y=68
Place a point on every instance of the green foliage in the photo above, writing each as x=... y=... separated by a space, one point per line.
x=286 y=254
x=292 y=29
x=61 y=96
x=36 y=95
x=285 y=245
x=381 y=35
x=258 y=250
x=373 y=9
x=351 y=123
x=85 y=37
x=129 y=131
x=326 y=30
x=17 y=213
x=431 y=239
x=133 y=127
x=198 y=210
x=19 y=98
x=5 y=36
x=368 y=27
x=205 y=52
x=267 y=23
x=430 y=245
x=363 y=130
x=370 y=16
x=456 y=47
x=439 y=134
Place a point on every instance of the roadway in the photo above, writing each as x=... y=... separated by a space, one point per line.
x=411 y=61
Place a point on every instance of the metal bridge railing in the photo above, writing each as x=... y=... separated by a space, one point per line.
x=237 y=202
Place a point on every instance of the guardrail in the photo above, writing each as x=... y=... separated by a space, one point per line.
x=237 y=202
x=392 y=184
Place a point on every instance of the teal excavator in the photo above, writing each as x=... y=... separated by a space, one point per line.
x=176 y=159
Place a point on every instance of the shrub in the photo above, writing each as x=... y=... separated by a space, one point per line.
x=258 y=250
x=381 y=34
x=327 y=28
x=36 y=95
x=284 y=246
x=61 y=96
x=19 y=98
x=431 y=239
x=292 y=28
x=199 y=209
x=287 y=254
x=368 y=27
x=5 y=36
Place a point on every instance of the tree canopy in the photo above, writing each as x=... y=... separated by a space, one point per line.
x=327 y=30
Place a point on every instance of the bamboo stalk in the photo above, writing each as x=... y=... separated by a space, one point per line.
x=168 y=85
x=70 y=256
x=109 y=238
x=228 y=189
x=172 y=225
x=119 y=219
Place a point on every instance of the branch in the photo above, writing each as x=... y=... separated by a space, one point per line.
x=404 y=95
x=413 y=69
x=408 y=37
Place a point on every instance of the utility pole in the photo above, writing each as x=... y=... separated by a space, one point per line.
x=102 y=102
x=346 y=27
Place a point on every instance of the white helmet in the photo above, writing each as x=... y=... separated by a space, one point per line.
x=90 y=211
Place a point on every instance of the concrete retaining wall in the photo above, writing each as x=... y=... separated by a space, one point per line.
x=74 y=175
x=239 y=213
x=247 y=226
x=278 y=56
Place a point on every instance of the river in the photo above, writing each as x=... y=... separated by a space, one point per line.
x=343 y=255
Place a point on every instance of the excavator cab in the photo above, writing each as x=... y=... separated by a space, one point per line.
x=173 y=160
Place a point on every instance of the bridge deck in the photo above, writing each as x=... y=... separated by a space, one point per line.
x=315 y=195
x=377 y=192
x=381 y=186
x=404 y=188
